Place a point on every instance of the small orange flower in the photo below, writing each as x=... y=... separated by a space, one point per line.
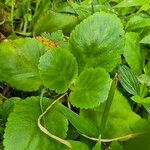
x=47 y=42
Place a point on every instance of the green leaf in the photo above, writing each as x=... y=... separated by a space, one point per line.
x=147 y=106
x=52 y=21
x=137 y=22
x=77 y=145
x=58 y=69
x=146 y=103
x=128 y=80
x=98 y=41
x=122 y=120
x=85 y=127
x=130 y=3
x=97 y=146
x=19 y=63
x=133 y=53
x=137 y=99
x=8 y=106
x=116 y=146
x=22 y=131
x=91 y=88
x=146 y=40
x=147 y=68
x=145 y=78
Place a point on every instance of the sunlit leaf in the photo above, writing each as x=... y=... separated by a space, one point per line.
x=121 y=121
x=98 y=41
x=58 y=69
x=133 y=53
x=22 y=131
x=19 y=63
x=129 y=80
x=146 y=40
x=91 y=88
x=137 y=22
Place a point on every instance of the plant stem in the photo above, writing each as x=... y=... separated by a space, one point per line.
x=121 y=138
x=108 y=105
x=43 y=129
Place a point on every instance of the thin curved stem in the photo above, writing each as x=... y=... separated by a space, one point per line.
x=43 y=129
x=123 y=138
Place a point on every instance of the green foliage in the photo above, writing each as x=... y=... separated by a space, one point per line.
x=91 y=88
x=19 y=63
x=85 y=127
x=130 y=3
x=146 y=40
x=58 y=69
x=97 y=40
x=78 y=145
x=22 y=130
x=97 y=146
x=53 y=21
x=121 y=120
x=129 y=80
x=8 y=107
x=68 y=97
x=137 y=22
x=133 y=53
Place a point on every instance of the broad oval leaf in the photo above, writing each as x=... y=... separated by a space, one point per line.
x=19 y=63
x=58 y=69
x=22 y=131
x=91 y=88
x=98 y=41
x=53 y=21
